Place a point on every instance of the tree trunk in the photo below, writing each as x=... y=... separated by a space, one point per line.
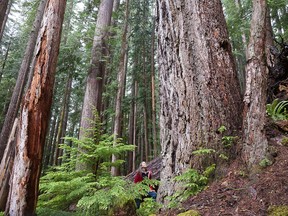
x=241 y=60
x=145 y=150
x=21 y=80
x=145 y=130
x=198 y=86
x=63 y=120
x=6 y=166
x=94 y=86
x=254 y=137
x=120 y=91
x=34 y=116
x=135 y=125
x=154 y=128
x=131 y=127
x=4 y=11
x=54 y=140
x=5 y=60
x=269 y=38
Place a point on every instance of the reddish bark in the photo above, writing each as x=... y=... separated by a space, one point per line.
x=35 y=114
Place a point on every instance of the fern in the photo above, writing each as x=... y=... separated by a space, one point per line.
x=203 y=151
x=277 y=110
x=192 y=182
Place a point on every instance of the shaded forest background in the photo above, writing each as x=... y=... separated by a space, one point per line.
x=127 y=109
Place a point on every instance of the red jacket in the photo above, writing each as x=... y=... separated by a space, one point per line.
x=139 y=178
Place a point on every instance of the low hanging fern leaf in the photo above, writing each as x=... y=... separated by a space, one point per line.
x=277 y=110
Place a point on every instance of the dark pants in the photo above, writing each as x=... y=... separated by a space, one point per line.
x=151 y=194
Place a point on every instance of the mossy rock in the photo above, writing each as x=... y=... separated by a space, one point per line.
x=278 y=210
x=284 y=141
x=189 y=213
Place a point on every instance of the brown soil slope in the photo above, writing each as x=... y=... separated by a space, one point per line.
x=241 y=195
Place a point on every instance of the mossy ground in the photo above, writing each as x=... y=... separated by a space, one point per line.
x=278 y=210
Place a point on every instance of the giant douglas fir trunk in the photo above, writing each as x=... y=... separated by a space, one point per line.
x=199 y=91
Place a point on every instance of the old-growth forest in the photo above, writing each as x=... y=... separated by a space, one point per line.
x=198 y=89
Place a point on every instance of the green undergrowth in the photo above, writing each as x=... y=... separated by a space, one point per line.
x=277 y=110
x=91 y=191
x=191 y=182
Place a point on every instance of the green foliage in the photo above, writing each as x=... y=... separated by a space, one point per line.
x=242 y=173
x=148 y=207
x=189 y=213
x=222 y=129
x=48 y=212
x=192 y=182
x=99 y=196
x=278 y=210
x=59 y=189
x=224 y=157
x=89 y=151
x=1 y=213
x=265 y=162
x=284 y=141
x=202 y=151
x=228 y=141
x=277 y=110
x=96 y=193
x=109 y=193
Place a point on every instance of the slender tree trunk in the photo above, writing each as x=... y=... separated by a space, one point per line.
x=96 y=74
x=48 y=144
x=145 y=114
x=53 y=141
x=21 y=80
x=254 y=137
x=4 y=11
x=269 y=38
x=4 y=62
x=198 y=86
x=63 y=120
x=6 y=167
x=145 y=137
x=241 y=60
x=131 y=127
x=135 y=126
x=120 y=91
x=34 y=116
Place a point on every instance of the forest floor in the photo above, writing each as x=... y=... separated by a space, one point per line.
x=240 y=194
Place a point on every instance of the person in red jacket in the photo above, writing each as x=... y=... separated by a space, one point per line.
x=139 y=177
